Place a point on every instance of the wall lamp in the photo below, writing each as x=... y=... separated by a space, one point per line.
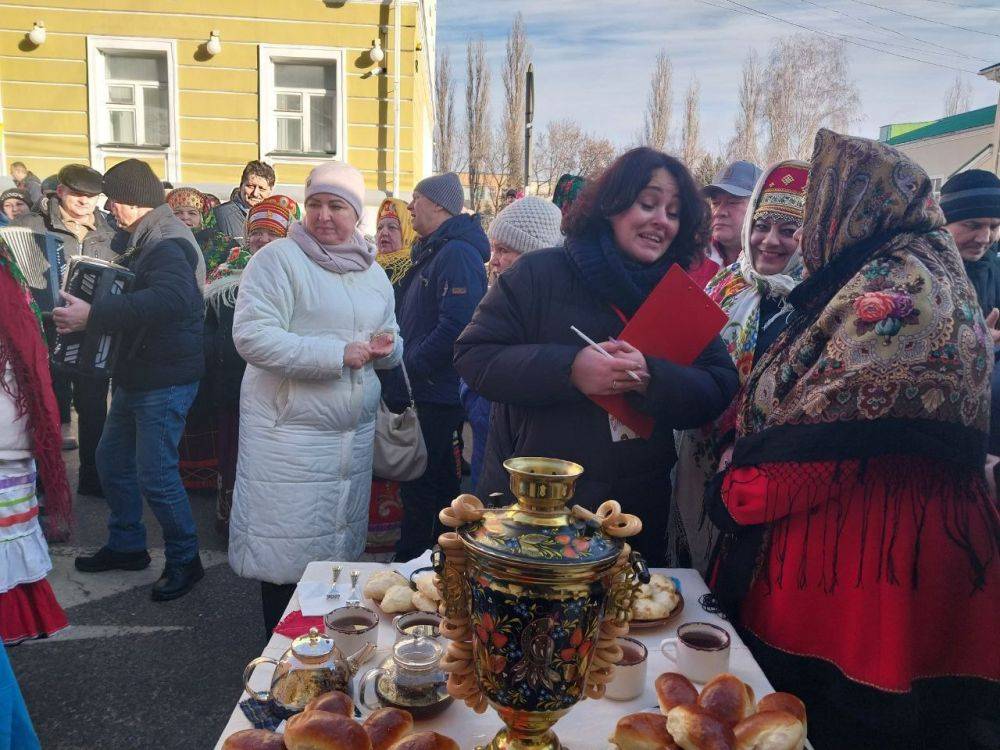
x=37 y=34
x=214 y=45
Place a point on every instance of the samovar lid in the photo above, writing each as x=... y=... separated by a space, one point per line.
x=539 y=529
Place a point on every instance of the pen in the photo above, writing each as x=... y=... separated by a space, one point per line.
x=593 y=345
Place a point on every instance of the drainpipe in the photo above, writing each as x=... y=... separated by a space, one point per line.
x=397 y=43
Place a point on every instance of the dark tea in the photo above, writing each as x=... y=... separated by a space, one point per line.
x=703 y=641
x=632 y=653
x=351 y=625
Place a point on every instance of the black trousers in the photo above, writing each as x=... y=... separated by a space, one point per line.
x=90 y=397
x=274 y=597
x=424 y=498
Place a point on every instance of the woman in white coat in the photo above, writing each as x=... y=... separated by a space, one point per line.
x=314 y=316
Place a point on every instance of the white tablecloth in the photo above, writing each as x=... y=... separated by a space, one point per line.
x=585 y=727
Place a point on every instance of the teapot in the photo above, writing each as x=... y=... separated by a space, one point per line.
x=312 y=665
x=411 y=679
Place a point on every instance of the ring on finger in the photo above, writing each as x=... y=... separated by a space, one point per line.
x=614 y=385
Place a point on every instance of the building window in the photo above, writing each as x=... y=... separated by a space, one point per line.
x=138 y=113
x=301 y=102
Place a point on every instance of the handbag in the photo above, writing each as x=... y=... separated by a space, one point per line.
x=400 y=453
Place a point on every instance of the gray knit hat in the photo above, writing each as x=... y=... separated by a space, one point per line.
x=445 y=190
x=527 y=224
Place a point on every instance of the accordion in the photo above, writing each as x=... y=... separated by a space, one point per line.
x=40 y=258
x=89 y=352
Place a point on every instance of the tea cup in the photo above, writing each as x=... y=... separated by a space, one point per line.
x=351 y=627
x=700 y=651
x=629 y=679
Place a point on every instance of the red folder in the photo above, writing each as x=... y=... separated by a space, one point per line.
x=676 y=322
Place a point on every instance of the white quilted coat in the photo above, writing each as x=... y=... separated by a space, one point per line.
x=307 y=423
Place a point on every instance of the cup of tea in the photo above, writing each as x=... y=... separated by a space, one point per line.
x=629 y=679
x=700 y=651
x=351 y=627
x=427 y=624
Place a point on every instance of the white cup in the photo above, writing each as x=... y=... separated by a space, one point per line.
x=700 y=651
x=629 y=679
x=351 y=627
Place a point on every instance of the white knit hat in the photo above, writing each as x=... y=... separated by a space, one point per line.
x=527 y=224
x=341 y=179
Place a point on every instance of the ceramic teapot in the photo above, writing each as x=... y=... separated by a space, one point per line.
x=312 y=665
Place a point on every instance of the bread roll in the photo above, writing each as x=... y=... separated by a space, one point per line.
x=426 y=741
x=660 y=582
x=673 y=689
x=320 y=730
x=693 y=728
x=387 y=726
x=382 y=581
x=727 y=698
x=334 y=702
x=643 y=731
x=770 y=730
x=254 y=739
x=398 y=599
x=424 y=603
x=425 y=585
x=785 y=702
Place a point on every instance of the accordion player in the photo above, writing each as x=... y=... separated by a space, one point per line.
x=91 y=352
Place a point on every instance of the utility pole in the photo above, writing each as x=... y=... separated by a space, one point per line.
x=529 y=114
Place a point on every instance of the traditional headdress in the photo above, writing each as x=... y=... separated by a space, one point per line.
x=783 y=193
x=274 y=214
x=186 y=197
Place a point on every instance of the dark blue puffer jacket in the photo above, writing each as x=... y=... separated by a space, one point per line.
x=435 y=301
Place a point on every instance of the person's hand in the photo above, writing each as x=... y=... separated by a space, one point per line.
x=593 y=374
x=991 y=324
x=72 y=316
x=357 y=354
x=726 y=458
x=624 y=350
x=381 y=345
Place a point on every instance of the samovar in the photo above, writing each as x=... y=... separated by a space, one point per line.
x=535 y=595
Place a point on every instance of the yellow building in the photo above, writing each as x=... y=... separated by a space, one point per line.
x=199 y=87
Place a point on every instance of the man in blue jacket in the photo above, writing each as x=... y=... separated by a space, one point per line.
x=434 y=303
x=161 y=359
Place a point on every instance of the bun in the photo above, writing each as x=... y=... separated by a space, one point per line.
x=770 y=730
x=693 y=728
x=424 y=603
x=382 y=581
x=673 y=689
x=398 y=599
x=334 y=702
x=727 y=698
x=319 y=730
x=643 y=731
x=425 y=585
x=785 y=702
x=254 y=739
x=426 y=741
x=387 y=726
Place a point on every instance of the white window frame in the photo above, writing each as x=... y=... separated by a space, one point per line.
x=97 y=93
x=269 y=54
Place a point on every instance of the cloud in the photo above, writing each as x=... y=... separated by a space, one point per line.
x=593 y=58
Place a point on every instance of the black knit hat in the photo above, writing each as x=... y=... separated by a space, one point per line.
x=974 y=194
x=133 y=183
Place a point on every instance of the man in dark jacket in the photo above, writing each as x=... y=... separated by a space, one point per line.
x=155 y=381
x=76 y=224
x=256 y=184
x=26 y=181
x=434 y=303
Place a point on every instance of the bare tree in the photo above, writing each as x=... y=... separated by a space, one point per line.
x=745 y=143
x=596 y=155
x=690 y=147
x=808 y=87
x=707 y=167
x=444 y=116
x=656 y=123
x=514 y=70
x=958 y=97
x=477 y=115
x=556 y=152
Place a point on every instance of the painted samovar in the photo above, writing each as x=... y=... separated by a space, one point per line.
x=534 y=596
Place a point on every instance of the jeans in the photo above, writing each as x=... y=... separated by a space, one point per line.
x=136 y=458
x=424 y=498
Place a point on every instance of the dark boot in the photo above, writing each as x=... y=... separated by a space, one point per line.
x=177 y=580
x=107 y=559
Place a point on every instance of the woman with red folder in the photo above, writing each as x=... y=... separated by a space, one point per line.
x=643 y=215
x=861 y=551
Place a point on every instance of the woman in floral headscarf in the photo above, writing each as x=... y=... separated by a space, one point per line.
x=753 y=292
x=860 y=544
x=224 y=367
x=189 y=205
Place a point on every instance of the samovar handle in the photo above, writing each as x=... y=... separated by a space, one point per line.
x=638 y=563
x=437 y=559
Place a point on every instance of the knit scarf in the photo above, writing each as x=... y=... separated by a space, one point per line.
x=617 y=279
x=354 y=255
x=22 y=347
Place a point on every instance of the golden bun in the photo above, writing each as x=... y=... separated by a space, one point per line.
x=785 y=702
x=426 y=741
x=643 y=731
x=321 y=730
x=254 y=739
x=770 y=730
x=386 y=726
x=673 y=689
x=727 y=698
x=334 y=702
x=693 y=728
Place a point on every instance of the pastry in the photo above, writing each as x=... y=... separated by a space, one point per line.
x=254 y=739
x=770 y=730
x=727 y=698
x=673 y=689
x=320 y=730
x=643 y=731
x=660 y=582
x=424 y=603
x=334 y=702
x=381 y=582
x=387 y=726
x=693 y=728
x=785 y=702
x=425 y=585
x=398 y=599
x=426 y=741
x=649 y=609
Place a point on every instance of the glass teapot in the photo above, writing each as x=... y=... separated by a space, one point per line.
x=312 y=665
x=411 y=678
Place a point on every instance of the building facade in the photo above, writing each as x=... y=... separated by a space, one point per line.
x=199 y=88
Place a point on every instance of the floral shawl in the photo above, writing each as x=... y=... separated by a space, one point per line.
x=224 y=280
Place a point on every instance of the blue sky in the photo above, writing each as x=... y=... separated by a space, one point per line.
x=593 y=58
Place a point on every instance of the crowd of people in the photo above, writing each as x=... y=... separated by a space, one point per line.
x=826 y=462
